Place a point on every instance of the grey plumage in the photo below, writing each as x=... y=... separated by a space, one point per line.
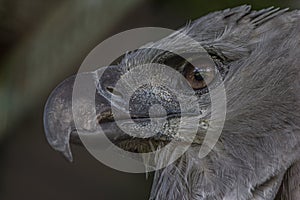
x=257 y=154
x=260 y=139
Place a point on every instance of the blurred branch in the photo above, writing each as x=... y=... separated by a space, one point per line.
x=63 y=38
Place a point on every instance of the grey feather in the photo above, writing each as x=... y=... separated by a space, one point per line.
x=260 y=140
x=290 y=186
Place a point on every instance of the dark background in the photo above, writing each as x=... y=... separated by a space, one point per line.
x=41 y=43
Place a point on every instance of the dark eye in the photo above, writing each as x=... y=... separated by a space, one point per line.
x=199 y=72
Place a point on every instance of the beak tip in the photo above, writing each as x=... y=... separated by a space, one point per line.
x=68 y=154
x=63 y=148
x=60 y=143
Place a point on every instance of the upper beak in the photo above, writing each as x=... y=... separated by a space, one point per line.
x=59 y=123
x=58 y=117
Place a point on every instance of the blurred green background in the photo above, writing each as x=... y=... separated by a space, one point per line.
x=43 y=42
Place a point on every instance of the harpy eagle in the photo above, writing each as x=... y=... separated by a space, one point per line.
x=257 y=57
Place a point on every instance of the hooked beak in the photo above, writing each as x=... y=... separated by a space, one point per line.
x=58 y=118
x=59 y=121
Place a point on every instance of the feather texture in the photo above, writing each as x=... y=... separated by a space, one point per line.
x=256 y=155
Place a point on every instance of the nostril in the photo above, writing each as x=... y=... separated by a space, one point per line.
x=110 y=89
x=113 y=91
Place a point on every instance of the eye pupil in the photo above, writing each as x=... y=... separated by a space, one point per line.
x=197 y=75
x=198 y=69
